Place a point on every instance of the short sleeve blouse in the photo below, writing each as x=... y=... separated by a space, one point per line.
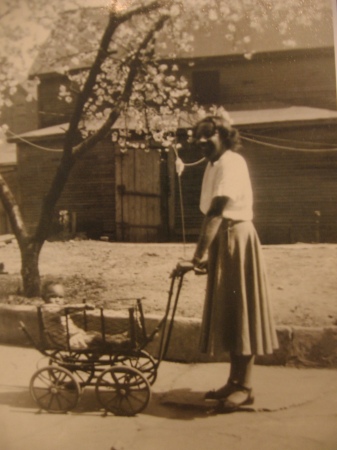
x=229 y=177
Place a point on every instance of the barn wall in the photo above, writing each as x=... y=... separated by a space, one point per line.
x=295 y=193
x=89 y=193
x=125 y=196
x=295 y=77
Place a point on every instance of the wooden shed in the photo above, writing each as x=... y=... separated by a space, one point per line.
x=122 y=195
x=136 y=196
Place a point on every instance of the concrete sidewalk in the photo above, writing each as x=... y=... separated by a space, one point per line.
x=295 y=409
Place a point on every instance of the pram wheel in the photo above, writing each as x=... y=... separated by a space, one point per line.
x=140 y=360
x=54 y=389
x=123 y=390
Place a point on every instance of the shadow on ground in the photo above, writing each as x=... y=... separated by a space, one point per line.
x=21 y=399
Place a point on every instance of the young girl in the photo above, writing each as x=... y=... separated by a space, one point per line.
x=237 y=316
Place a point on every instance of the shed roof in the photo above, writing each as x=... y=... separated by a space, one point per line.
x=264 y=117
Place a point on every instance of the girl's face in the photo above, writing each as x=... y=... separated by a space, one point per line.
x=55 y=294
x=208 y=140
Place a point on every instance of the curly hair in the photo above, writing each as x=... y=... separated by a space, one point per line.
x=229 y=135
x=47 y=284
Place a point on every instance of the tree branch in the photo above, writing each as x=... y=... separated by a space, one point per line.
x=134 y=64
x=71 y=153
x=142 y=9
x=116 y=19
x=92 y=140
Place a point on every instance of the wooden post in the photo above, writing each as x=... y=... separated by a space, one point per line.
x=164 y=234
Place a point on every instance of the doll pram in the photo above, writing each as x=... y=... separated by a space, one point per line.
x=122 y=375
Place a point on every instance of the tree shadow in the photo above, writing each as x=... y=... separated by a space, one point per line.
x=178 y=404
x=19 y=398
x=162 y=405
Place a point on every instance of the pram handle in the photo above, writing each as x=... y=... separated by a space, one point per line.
x=187 y=266
x=182 y=268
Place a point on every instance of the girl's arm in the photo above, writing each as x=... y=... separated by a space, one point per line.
x=209 y=228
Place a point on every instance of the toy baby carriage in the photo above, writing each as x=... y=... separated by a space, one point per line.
x=122 y=375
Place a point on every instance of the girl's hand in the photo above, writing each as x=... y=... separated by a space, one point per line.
x=200 y=267
x=182 y=267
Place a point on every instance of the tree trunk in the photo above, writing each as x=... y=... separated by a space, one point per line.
x=30 y=269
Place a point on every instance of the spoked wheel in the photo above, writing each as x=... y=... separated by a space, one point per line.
x=81 y=365
x=123 y=390
x=140 y=360
x=54 y=389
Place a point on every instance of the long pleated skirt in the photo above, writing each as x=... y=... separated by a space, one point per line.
x=237 y=314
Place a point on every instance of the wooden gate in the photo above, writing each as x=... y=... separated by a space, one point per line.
x=142 y=196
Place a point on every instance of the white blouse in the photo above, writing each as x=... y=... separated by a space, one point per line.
x=229 y=177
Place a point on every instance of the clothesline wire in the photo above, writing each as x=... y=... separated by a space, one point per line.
x=284 y=147
x=195 y=163
x=244 y=136
x=279 y=139
x=40 y=147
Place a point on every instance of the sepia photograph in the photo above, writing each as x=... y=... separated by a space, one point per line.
x=168 y=224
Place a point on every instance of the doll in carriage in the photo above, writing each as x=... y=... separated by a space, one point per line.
x=116 y=365
x=61 y=329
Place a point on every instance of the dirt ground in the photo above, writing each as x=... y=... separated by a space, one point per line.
x=302 y=277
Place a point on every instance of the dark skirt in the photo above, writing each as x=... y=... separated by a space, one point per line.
x=237 y=313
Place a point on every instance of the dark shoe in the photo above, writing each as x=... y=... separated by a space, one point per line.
x=223 y=392
x=242 y=396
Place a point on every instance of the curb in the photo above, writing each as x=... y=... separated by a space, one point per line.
x=299 y=346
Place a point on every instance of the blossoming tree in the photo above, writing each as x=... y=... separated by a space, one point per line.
x=121 y=73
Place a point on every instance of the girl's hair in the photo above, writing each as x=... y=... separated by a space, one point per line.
x=229 y=136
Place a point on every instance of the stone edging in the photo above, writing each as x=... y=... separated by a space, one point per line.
x=313 y=347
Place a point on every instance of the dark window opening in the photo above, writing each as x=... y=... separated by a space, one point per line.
x=206 y=86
